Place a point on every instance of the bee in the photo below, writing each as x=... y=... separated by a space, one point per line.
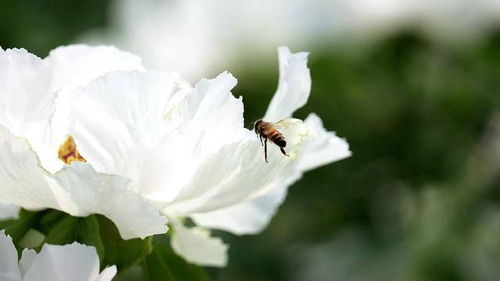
x=268 y=131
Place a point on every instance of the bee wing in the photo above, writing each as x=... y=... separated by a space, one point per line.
x=287 y=122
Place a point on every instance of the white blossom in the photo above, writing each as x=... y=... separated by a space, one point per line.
x=75 y=262
x=145 y=142
x=34 y=108
x=189 y=152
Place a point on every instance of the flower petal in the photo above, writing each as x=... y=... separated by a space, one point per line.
x=196 y=246
x=76 y=65
x=322 y=147
x=33 y=93
x=161 y=131
x=73 y=262
x=77 y=190
x=22 y=181
x=207 y=119
x=249 y=217
x=9 y=270
x=25 y=98
x=72 y=67
x=128 y=121
x=294 y=85
x=213 y=102
x=317 y=147
x=107 y=274
x=8 y=211
x=27 y=258
x=87 y=192
x=237 y=173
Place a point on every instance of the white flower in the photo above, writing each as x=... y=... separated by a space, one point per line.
x=75 y=262
x=143 y=142
x=188 y=151
x=34 y=109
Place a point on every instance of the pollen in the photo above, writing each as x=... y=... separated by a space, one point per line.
x=68 y=152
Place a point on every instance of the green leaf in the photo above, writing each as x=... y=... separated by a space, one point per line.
x=18 y=228
x=89 y=234
x=64 y=232
x=60 y=228
x=164 y=264
x=97 y=231
x=49 y=219
x=155 y=269
x=122 y=253
x=70 y=229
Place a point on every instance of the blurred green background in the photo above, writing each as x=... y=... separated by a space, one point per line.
x=420 y=197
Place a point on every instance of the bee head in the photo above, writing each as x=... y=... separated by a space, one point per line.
x=256 y=125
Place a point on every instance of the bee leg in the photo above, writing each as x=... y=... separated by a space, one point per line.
x=265 y=149
x=283 y=151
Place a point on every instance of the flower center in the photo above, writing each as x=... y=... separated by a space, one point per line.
x=68 y=153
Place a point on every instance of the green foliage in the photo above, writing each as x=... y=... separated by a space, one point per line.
x=122 y=253
x=90 y=234
x=69 y=229
x=155 y=268
x=154 y=254
x=164 y=264
x=18 y=228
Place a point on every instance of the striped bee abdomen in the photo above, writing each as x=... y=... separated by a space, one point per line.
x=277 y=138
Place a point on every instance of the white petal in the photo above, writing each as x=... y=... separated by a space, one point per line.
x=25 y=98
x=72 y=67
x=27 y=258
x=22 y=181
x=107 y=274
x=8 y=211
x=318 y=148
x=213 y=102
x=208 y=118
x=236 y=173
x=73 y=262
x=294 y=85
x=233 y=174
x=249 y=217
x=322 y=147
x=127 y=121
x=161 y=130
x=9 y=270
x=87 y=192
x=77 y=190
x=33 y=100
x=196 y=246
x=76 y=65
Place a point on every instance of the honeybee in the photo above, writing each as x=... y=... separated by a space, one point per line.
x=268 y=131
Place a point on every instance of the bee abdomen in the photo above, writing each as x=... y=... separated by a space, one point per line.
x=277 y=138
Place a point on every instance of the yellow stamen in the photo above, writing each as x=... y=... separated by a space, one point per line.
x=68 y=153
